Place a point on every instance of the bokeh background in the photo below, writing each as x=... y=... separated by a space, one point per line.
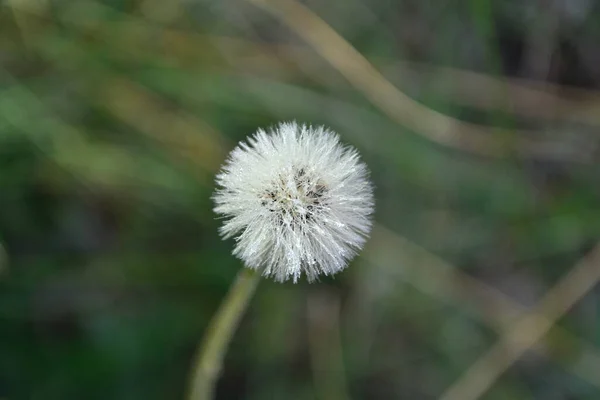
x=479 y=121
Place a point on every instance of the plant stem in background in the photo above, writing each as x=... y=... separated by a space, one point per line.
x=209 y=360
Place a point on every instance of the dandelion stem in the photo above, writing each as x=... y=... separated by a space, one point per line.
x=209 y=359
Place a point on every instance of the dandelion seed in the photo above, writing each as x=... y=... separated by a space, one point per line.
x=296 y=200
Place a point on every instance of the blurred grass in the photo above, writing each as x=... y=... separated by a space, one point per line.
x=115 y=115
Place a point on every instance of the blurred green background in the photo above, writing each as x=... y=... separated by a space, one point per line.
x=115 y=116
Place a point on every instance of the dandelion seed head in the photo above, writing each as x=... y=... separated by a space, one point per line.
x=296 y=200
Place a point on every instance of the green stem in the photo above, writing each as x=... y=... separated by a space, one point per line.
x=209 y=359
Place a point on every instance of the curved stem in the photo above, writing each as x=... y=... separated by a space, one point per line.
x=209 y=359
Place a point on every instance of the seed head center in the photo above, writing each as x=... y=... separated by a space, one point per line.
x=297 y=196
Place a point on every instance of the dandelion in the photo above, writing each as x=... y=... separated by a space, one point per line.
x=296 y=200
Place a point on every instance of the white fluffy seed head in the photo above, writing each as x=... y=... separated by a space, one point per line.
x=296 y=200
